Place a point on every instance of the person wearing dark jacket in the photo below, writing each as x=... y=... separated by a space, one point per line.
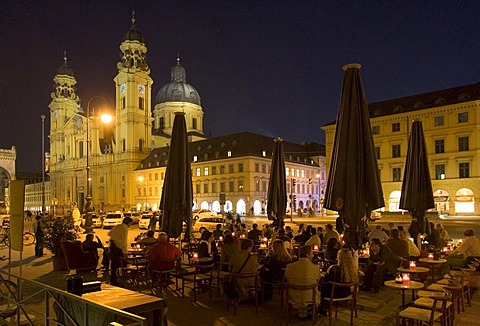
x=207 y=247
x=381 y=261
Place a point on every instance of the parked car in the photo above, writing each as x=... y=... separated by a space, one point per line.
x=145 y=221
x=208 y=223
x=112 y=219
x=200 y=212
x=135 y=216
x=97 y=221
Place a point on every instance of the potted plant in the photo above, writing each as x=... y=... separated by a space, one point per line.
x=58 y=229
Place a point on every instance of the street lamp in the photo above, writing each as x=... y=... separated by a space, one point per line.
x=88 y=208
x=43 y=162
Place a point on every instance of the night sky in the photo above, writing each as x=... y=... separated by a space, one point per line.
x=270 y=67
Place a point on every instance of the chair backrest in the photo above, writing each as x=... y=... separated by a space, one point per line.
x=352 y=286
x=444 y=298
x=302 y=287
x=76 y=258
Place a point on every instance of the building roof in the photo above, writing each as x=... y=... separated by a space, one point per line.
x=424 y=101
x=64 y=69
x=133 y=33
x=240 y=145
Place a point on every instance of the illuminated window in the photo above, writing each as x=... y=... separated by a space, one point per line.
x=298 y=172
x=229 y=153
x=205 y=171
x=264 y=153
x=198 y=172
x=240 y=185
x=303 y=173
x=439 y=171
x=287 y=172
x=195 y=158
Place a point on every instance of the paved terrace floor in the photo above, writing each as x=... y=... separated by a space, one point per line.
x=374 y=309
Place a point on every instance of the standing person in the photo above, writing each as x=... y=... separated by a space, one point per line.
x=39 y=236
x=152 y=224
x=118 y=247
x=444 y=236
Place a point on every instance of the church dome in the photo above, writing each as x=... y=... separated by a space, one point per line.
x=133 y=33
x=64 y=69
x=178 y=90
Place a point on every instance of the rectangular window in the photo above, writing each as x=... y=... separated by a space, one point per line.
x=463 y=117
x=222 y=186
x=240 y=167
x=396 y=174
x=197 y=188
x=205 y=171
x=80 y=149
x=195 y=158
x=257 y=167
x=156 y=176
x=231 y=186
x=214 y=187
x=440 y=171
x=438 y=121
x=395 y=126
x=257 y=185
x=198 y=172
x=230 y=168
x=222 y=169
x=396 y=150
x=462 y=144
x=464 y=170
x=123 y=193
x=264 y=185
x=214 y=170
x=205 y=188
x=264 y=168
x=377 y=152
x=287 y=172
x=240 y=185
x=439 y=146
x=229 y=153
x=375 y=130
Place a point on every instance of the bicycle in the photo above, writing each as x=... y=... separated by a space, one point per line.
x=28 y=237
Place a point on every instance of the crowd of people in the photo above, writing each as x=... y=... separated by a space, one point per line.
x=292 y=256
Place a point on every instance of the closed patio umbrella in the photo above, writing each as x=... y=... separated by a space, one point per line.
x=353 y=187
x=417 y=194
x=277 y=190
x=177 y=193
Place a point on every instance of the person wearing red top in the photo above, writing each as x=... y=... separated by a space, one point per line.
x=162 y=251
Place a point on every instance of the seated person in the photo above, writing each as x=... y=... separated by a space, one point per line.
x=331 y=233
x=241 y=231
x=331 y=251
x=229 y=248
x=470 y=247
x=398 y=246
x=302 y=272
x=89 y=245
x=162 y=251
x=149 y=240
x=412 y=248
x=381 y=261
x=207 y=247
x=289 y=232
x=255 y=234
x=244 y=262
x=378 y=233
x=218 y=232
x=343 y=272
x=274 y=268
x=302 y=237
x=314 y=238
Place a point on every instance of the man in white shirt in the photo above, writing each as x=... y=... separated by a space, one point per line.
x=118 y=247
x=469 y=247
x=412 y=248
x=378 y=233
x=314 y=239
x=303 y=272
x=330 y=233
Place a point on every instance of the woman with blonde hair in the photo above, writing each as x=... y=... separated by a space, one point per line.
x=343 y=272
x=274 y=267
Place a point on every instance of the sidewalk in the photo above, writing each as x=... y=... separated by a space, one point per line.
x=374 y=309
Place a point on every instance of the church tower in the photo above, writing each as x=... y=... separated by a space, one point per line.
x=177 y=96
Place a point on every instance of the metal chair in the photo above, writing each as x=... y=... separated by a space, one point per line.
x=163 y=276
x=203 y=274
x=251 y=291
x=302 y=288
x=134 y=267
x=348 y=302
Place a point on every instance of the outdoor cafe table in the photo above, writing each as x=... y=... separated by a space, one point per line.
x=417 y=269
x=433 y=263
x=153 y=308
x=412 y=285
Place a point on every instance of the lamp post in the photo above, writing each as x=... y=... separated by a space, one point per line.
x=88 y=208
x=43 y=162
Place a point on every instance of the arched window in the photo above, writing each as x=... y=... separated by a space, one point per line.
x=140 y=103
x=194 y=123
x=140 y=145
x=162 y=123
x=123 y=102
x=80 y=149
x=124 y=145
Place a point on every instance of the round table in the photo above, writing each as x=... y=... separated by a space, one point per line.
x=433 y=263
x=412 y=285
x=417 y=269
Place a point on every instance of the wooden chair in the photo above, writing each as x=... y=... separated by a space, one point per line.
x=222 y=275
x=424 y=317
x=277 y=284
x=349 y=302
x=303 y=288
x=134 y=267
x=252 y=291
x=448 y=315
x=202 y=274
x=163 y=276
x=76 y=258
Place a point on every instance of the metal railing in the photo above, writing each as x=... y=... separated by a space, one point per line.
x=25 y=301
